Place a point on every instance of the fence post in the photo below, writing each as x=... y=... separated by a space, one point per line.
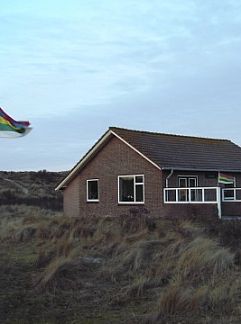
x=218 y=193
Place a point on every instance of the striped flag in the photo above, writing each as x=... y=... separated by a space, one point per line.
x=10 y=128
x=225 y=178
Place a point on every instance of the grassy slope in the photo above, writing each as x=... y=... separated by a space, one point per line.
x=31 y=188
x=129 y=270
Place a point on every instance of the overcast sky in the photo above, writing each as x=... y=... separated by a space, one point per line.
x=74 y=68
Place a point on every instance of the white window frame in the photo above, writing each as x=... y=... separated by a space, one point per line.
x=225 y=189
x=87 y=191
x=135 y=184
x=187 y=177
x=228 y=198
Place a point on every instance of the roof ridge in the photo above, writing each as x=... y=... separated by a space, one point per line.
x=168 y=134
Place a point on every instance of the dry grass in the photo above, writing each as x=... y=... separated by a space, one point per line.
x=202 y=258
x=177 y=300
x=21 y=222
x=172 y=269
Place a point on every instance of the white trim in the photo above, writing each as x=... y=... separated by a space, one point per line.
x=179 y=168
x=189 y=201
x=193 y=178
x=187 y=179
x=135 y=184
x=134 y=149
x=87 y=190
x=168 y=177
x=230 y=199
x=218 y=194
x=192 y=202
x=219 y=197
x=83 y=160
x=225 y=199
x=191 y=188
x=188 y=176
x=93 y=150
x=179 y=182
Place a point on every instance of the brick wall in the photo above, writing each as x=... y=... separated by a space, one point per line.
x=115 y=159
x=71 y=198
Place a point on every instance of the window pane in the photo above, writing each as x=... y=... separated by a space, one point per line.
x=92 y=190
x=171 y=195
x=229 y=194
x=196 y=194
x=139 y=193
x=182 y=182
x=210 y=195
x=183 y=195
x=192 y=182
x=126 y=189
x=139 y=179
x=238 y=194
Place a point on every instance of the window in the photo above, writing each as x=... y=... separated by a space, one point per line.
x=229 y=193
x=188 y=182
x=92 y=190
x=131 y=189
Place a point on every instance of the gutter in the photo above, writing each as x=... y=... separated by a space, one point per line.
x=202 y=170
x=168 y=177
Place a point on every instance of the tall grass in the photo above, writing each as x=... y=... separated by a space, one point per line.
x=203 y=257
x=176 y=266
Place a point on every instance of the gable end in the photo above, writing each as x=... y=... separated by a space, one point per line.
x=92 y=152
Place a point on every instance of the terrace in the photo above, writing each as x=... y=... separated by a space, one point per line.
x=202 y=195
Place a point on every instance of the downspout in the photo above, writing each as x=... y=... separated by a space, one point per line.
x=168 y=177
x=219 y=198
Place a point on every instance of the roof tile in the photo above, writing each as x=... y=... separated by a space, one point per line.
x=184 y=152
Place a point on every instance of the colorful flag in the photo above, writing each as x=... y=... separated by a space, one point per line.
x=10 y=128
x=225 y=178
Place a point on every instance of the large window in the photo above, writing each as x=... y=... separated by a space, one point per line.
x=131 y=189
x=92 y=188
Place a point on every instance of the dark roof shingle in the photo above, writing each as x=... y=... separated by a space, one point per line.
x=184 y=152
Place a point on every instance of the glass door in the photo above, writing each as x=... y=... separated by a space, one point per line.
x=188 y=182
x=195 y=193
x=183 y=193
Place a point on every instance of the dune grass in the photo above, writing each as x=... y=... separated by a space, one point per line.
x=155 y=271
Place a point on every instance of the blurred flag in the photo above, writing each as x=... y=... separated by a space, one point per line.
x=225 y=178
x=10 y=128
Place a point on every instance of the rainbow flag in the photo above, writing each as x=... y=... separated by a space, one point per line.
x=10 y=128
x=225 y=178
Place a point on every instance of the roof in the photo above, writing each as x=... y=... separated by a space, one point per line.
x=167 y=151
x=184 y=152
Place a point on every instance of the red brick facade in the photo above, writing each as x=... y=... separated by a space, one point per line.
x=115 y=159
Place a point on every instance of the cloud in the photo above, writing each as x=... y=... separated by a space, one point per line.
x=76 y=68
x=107 y=52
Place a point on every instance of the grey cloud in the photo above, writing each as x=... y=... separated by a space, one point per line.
x=170 y=66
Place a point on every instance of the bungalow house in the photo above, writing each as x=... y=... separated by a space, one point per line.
x=168 y=174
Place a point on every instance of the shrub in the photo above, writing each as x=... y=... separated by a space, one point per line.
x=177 y=300
x=203 y=258
x=137 y=220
